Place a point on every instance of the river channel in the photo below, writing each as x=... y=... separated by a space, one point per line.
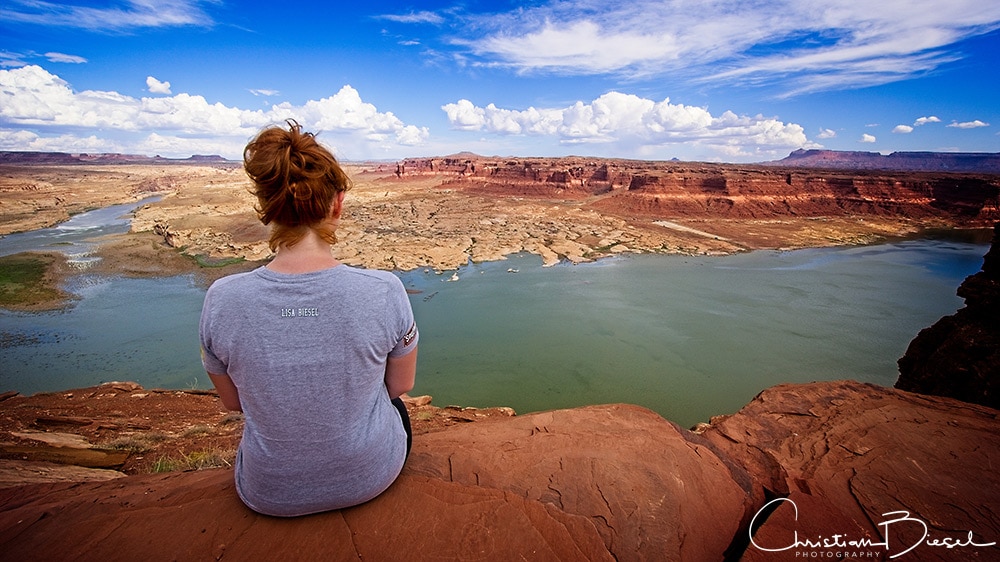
x=689 y=337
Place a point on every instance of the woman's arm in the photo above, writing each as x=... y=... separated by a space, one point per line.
x=228 y=392
x=400 y=373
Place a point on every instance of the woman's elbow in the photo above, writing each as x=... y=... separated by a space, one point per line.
x=401 y=374
x=397 y=388
x=229 y=395
x=233 y=405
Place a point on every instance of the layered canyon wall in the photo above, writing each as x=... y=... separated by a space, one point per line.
x=684 y=189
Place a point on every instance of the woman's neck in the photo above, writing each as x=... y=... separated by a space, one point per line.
x=311 y=253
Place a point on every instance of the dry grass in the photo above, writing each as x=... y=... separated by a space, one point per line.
x=137 y=443
x=195 y=460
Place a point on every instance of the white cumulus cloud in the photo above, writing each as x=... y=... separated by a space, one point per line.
x=627 y=120
x=904 y=129
x=39 y=109
x=157 y=87
x=924 y=120
x=30 y=141
x=866 y=138
x=969 y=124
x=826 y=134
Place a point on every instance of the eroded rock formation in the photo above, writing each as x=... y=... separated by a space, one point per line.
x=684 y=189
x=854 y=454
x=959 y=356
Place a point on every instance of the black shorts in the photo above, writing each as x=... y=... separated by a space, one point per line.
x=398 y=403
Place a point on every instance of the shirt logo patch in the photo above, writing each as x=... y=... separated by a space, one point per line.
x=408 y=336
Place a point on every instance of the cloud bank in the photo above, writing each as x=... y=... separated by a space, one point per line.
x=40 y=111
x=627 y=120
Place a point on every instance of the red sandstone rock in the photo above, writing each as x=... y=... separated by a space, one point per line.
x=15 y=473
x=732 y=191
x=652 y=493
x=595 y=483
x=804 y=517
x=862 y=451
x=197 y=516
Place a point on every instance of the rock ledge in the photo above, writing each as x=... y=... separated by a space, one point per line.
x=612 y=482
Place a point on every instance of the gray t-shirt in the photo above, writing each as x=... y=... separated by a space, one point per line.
x=307 y=353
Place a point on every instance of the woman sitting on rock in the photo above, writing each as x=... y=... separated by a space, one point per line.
x=313 y=352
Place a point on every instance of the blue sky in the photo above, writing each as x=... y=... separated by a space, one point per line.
x=705 y=80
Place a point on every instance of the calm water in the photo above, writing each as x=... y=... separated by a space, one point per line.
x=686 y=337
x=74 y=237
x=689 y=337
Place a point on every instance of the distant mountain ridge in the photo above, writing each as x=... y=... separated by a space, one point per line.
x=960 y=162
x=965 y=162
x=27 y=157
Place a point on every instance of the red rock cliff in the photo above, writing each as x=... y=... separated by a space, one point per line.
x=673 y=189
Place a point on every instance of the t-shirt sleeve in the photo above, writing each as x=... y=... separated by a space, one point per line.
x=405 y=327
x=209 y=360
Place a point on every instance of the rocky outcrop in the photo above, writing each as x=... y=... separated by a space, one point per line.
x=651 y=489
x=562 y=177
x=854 y=458
x=197 y=516
x=959 y=356
x=611 y=482
x=760 y=192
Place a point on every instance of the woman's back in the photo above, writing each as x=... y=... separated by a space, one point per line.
x=308 y=353
x=315 y=353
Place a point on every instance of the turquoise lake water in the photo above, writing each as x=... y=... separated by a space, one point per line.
x=689 y=337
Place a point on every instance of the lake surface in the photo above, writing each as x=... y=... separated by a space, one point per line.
x=74 y=237
x=689 y=337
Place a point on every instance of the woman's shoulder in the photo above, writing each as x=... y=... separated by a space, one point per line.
x=371 y=275
x=233 y=281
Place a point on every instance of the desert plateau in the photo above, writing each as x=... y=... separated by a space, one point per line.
x=443 y=212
